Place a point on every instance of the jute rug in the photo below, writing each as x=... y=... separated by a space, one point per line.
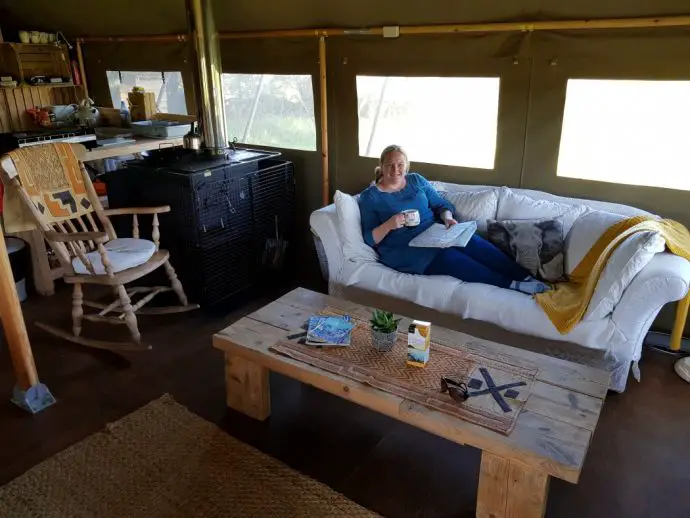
x=498 y=390
x=164 y=461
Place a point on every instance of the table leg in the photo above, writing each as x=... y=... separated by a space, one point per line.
x=510 y=490
x=247 y=388
x=42 y=275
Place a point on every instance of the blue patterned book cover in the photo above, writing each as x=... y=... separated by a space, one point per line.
x=329 y=330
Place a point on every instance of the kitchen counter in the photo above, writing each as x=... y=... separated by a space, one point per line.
x=130 y=148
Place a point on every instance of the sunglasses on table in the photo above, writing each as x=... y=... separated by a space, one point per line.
x=456 y=389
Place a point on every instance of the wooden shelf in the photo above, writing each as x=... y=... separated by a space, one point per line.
x=42 y=85
x=18 y=44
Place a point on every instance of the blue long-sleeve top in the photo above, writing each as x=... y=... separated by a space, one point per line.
x=376 y=207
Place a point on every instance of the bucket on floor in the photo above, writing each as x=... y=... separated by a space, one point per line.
x=18 y=252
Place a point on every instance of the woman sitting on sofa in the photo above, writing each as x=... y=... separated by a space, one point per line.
x=383 y=227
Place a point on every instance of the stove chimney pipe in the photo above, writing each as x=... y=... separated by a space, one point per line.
x=208 y=87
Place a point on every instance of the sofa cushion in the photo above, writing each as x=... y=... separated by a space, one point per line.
x=517 y=206
x=123 y=253
x=624 y=264
x=432 y=291
x=584 y=233
x=509 y=309
x=478 y=206
x=350 y=229
x=535 y=244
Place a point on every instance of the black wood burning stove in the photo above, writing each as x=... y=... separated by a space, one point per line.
x=224 y=209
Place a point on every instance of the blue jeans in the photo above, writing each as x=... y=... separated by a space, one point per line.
x=478 y=261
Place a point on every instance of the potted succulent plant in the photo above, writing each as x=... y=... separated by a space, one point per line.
x=384 y=329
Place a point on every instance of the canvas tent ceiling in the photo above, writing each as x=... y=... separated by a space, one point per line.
x=105 y=17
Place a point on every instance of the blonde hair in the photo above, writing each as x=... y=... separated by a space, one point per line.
x=393 y=148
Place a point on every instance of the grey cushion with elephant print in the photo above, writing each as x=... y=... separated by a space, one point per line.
x=537 y=244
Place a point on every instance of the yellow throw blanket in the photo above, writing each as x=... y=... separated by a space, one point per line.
x=567 y=303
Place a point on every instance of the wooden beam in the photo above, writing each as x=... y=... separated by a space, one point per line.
x=82 y=73
x=134 y=38
x=528 y=26
x=301 y=33
x=323 y=94
x=13 y=324
x=563 y=25
x=648 y=22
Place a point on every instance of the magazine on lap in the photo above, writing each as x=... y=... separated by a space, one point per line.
x=438 y=236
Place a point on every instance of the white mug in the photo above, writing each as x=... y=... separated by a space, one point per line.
x=411 y=217
x=24 y=36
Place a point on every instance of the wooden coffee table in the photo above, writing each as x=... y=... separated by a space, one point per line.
x=550 y=438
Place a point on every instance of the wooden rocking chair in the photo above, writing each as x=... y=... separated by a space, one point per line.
x=54 y=192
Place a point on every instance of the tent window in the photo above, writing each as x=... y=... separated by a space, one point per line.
x=627 y=132
x=439 y=120
x=167 y=86
x=270 y=110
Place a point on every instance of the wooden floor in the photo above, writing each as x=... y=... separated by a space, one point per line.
x=637 y=465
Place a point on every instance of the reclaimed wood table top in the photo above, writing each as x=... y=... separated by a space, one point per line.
x=552 y=433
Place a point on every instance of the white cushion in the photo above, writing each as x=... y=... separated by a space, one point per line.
x=474 y=206
x=123 y=253
x=433 y=291
x=350 y=229
x=584 y=233
x=624 y=264
x=509 y=309
x=617 y=208
x=517 y=206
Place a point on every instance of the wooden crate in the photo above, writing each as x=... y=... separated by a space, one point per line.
x=25 y=60
x=15 y=101
x=142 y=105
x=173 y=117
x=110 y=116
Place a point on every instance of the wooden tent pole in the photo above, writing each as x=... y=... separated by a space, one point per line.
x=13 y=324
x=134 y=38
x=80 y=59
x=323 y=95
x=411 y=30
x=564 y=25
x=28 y=393
x=301 y=33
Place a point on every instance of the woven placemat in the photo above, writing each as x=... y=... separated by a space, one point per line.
x=163 y=461
x=496 y=409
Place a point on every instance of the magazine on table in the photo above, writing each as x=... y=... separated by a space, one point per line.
x=332 y=331
x=438 y=236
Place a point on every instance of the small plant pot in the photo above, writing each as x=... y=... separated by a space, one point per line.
x=383 y=341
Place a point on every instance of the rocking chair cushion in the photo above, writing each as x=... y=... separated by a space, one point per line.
x=123 y=253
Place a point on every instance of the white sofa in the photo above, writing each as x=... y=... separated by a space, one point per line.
x=635 y=285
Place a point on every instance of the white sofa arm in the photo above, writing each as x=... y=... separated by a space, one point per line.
x=666 y=278
x=324 y=226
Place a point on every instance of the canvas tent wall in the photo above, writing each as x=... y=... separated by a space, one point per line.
x=533 y=67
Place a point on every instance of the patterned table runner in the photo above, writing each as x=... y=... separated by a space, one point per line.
x=498 y=391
